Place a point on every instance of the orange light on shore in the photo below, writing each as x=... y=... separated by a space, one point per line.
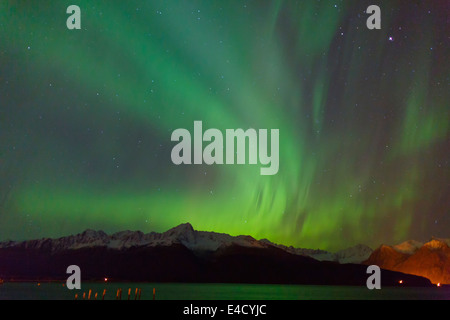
x=106 y=279
x=401 y=281
x=438 y=284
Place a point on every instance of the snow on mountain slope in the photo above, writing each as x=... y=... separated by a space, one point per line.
x=408 y=247
x=430 y=260
x=355 y=254
x=183 y=234
x=313 y=253
x=88 y=238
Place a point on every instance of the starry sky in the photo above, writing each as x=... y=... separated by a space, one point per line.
x=86 y=118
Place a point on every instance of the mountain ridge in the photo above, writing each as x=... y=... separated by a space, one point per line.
x=407 y=257
x=186 y=235
x=430 y=259
x=182 y=254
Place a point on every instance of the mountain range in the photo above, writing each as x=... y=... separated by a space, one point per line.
x=184 y=234
x=183 y=254
x=430 y=260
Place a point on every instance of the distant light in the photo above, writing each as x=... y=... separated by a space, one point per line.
x=438 y=284
x=106 y=279
x=401 y=281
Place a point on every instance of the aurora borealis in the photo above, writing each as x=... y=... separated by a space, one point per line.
x=86 y=118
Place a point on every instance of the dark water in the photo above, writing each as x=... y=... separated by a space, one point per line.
x=176 y=291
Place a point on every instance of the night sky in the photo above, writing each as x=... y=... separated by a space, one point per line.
x=86 y=118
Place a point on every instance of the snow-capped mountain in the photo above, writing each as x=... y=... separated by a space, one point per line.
x=88 y=238
x=183 y=234
x=408 y=247
x=355 y=254
x=430 y=260
x=183 y=254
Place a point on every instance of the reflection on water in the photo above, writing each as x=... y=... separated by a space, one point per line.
x=177 y=291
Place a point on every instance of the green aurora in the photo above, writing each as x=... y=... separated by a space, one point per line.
x=86 y=118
